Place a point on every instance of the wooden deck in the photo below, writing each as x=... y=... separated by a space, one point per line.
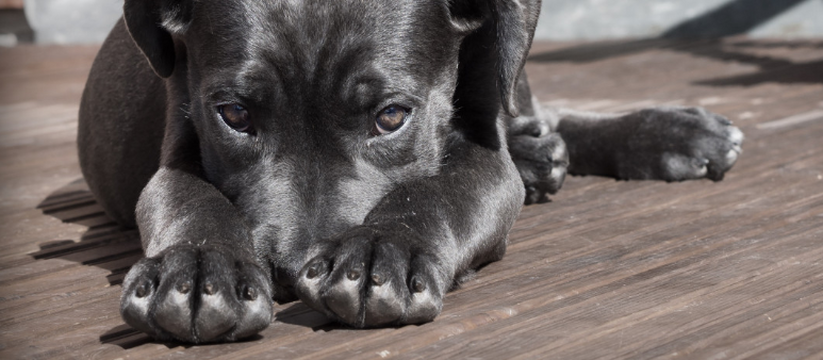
x=640 y=269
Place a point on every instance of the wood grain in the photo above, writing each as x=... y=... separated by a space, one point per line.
x=11 y=4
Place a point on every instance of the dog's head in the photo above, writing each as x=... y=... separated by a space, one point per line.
x=308 y=112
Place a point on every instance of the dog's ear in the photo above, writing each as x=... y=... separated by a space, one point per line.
x=513 y=23
x=151 y=24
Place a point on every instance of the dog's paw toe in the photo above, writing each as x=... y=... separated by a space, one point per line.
x=426 y=293
x=139 y=292
x=371 y=278
x=197 y=296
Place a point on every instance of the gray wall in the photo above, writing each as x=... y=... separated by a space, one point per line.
x=88 y=21
x=615 y=19
x=72 y=21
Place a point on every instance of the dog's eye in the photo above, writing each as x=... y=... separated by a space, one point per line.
x=236 y=117
x=390 y=119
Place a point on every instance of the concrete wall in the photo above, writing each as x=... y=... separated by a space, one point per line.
x=72 y=21
x=615 y=19
x=88 y=21
x=804 y=20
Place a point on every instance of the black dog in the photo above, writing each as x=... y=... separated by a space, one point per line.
x=360 y=155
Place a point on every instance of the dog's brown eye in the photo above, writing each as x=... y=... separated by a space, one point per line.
x=390 y=119
x=236 y=117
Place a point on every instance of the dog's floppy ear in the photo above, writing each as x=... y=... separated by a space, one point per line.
x=151 y=24
x=513 y=23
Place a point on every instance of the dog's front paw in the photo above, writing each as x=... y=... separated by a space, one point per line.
x=676 y=144
x=370 y=278
x=541 y=160
x=197 y=295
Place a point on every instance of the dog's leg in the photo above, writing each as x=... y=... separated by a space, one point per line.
x=665 y=143
x=397 y=266
x=201 y=280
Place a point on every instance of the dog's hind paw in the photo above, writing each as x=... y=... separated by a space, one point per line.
x=371 y=278
x=196 y=295
x=542 y=161
x=678 y=143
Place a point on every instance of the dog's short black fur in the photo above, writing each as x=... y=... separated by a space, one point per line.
x=360 y=155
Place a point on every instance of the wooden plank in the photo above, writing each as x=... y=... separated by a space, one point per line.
x=11 y=4
x=792 y=120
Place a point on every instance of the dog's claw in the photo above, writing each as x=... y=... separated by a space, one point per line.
x=354 y=274
x=208 y=289
x=250 y=293
x=418 y=285
x=184 y=287
x=141 y=290
x=311 y=273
